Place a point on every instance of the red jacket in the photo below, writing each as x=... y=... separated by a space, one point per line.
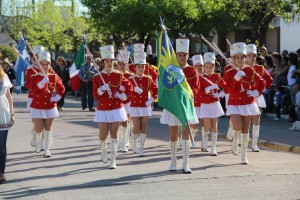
x=41 y=97
x=260 y=70
x=226 y=68
x=115 y=79
x=147 y=84
x=31 y=70
x=237 y=90
x=192 y=78
x=148 y=71
x=215 y=78
x=127 y=76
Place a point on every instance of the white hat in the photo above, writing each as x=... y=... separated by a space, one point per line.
x=209 y=57
x=139 y=58
x=251 y=48
x=107 y=52
x=37 y=49
x=197 y=60
x=44 y=55
x=123 y=56
x=238 y=48
x=139 y=47
x=182 y=45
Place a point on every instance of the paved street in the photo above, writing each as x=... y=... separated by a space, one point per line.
x=75 y=170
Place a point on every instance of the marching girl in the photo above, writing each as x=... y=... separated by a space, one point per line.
x=110 y=88
x=43 y=108
x=211 y=108
x=123 y=58
x=140 y=106
x=198 y=64
x=31 y=70
x=182 y=55
x=251 y=51
x=243 y=85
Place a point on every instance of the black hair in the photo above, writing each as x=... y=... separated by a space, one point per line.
x=293 y=58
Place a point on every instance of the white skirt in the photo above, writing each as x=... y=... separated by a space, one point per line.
x=127 y=107
x=44 y=114
x=110 y=116
x=140 y=111
x=29 y=101
x=172 y=120
x=198 y=112
x=212 y=110
x=244 y=110
x=260 y=101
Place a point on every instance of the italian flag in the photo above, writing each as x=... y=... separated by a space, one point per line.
x=74 y=69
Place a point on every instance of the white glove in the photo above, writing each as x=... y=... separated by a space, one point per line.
x=211 y=87
x=149 y=102
x=239 y=75
x=43 y=81
x=122 y=88
x=219 y=95
x=138 y=90
x=56 y=98
x=105 y=87
x=100 y=92
x=121 y=96
x=252 y=93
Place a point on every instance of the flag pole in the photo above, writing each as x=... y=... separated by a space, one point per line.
x=190 y=134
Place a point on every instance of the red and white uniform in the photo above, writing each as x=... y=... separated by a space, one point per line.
x=41 y=106
x=138 y=105
x=149 y=71
x=264 y=74
x=192 y=78
x=111 y=109
x=239 y=101
x=31 y=70
x=226 y=68
x=210 y=106
x=128 y=100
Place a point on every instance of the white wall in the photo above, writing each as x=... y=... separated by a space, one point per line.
x=290 y=35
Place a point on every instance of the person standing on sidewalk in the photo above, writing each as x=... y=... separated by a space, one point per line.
x=211 y=108
x=9 y=71
x=63 y=72
x=43 y=107
x=140 y=106
x=243 y=84
x=6 y=118
x=110 y=88
x=182 y=55
x=86 y=73
x=251 y=51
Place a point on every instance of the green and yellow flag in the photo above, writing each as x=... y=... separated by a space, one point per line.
x=174 y=92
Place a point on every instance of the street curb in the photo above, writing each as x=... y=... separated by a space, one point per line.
x=272 y=145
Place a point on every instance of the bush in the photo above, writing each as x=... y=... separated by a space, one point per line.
x=8 y=52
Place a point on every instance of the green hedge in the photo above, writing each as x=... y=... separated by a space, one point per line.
x=8 y=52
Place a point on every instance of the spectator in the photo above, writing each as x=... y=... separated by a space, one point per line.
x=63 y=72
x=86 y=74
x=276 y=59
x=284 y=53
x=264 y=51
x=292 y=79
x=298 y=54
x=296 y=125
x=10 y=73
x=149 y=50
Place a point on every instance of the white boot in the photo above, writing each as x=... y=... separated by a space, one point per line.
x=128 y=135
x=124 y=131
x=48 y=138
x=120 y=137
x=297 y=125
x=186 y=154
x=113 y=155
x=214 y=138
x=142 y=142
x=33 y=136
x=293 y=128
x=244 y=144
x=179 y=136
x=38 y=141
x=204 y=141
x=173 y=151
x=134 y=143
x=255 y=135
x=230 y=132
x=235 y=148
x=193 y=132
x=43 y=140
x=103 y=147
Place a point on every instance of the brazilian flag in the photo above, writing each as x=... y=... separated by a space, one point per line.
x=174 y=92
